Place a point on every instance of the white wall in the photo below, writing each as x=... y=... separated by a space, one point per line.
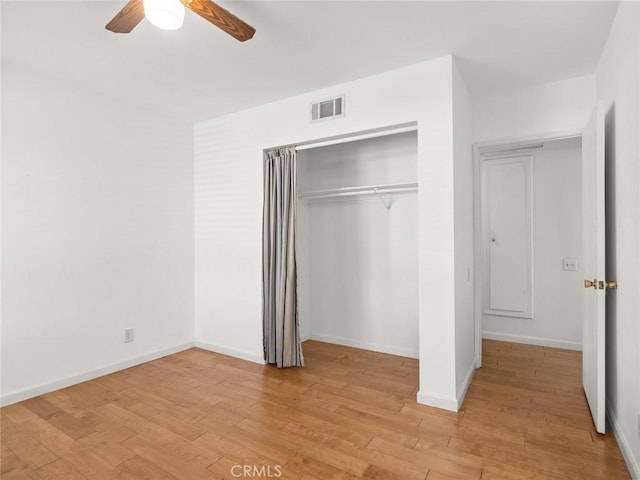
x=97 y=227
x=549 y=108
x=618 y=85
x=557 y=233
x=357 y=260
x=228 y=209
x=464 y=235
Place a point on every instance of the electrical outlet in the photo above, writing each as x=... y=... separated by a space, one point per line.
x=570 y=264
x=128 y=335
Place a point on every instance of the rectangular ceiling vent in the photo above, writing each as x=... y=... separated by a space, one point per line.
x=326 y=109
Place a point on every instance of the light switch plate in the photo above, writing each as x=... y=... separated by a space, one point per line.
x=570 y=264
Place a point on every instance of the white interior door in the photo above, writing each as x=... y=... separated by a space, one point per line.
x=593 y=244
x=506 y=213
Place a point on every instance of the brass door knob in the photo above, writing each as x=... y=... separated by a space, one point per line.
x=591 y=283
x=595 y=284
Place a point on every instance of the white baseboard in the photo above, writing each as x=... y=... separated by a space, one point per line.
x=543 y=342
x=232 y=352
x=438 y=401
x=633 y=462
x=18 y=396
x=401 y=352
x=466 y=383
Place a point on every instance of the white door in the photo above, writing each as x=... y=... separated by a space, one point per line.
x=593 y=251
x=507 y=224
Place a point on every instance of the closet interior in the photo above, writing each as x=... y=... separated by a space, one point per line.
x=357 y=243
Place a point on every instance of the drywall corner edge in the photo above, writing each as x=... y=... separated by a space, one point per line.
x=466 y=383
x=18 y=396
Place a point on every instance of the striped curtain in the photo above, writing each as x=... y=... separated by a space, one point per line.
x=281 y=336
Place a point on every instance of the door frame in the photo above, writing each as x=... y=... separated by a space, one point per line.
x=499 y=146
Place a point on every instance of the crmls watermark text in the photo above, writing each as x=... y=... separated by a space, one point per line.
x=256 y=471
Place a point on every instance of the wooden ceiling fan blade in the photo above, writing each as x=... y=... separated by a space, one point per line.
x=127 y=18
x=221 y=18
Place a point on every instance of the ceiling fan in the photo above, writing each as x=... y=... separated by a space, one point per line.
x=169 y=14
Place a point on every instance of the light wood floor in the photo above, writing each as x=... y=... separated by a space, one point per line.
x=349 y=414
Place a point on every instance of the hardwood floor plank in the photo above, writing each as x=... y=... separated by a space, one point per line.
x=89 y=464
x=260 y=438
x=350 y=414
x=27 y=448
x=309 y=447
x=167 y=460
x=165 y=419
x=459 y=467
x=158 y=434
x=92 y=394
x=189 y=415
x=42 y=407
x=232 y=449
x=58 y=470
x=9 y=460
x=364 y=395
x=114 y=432
x=504 y=459
x=409 y=427
x=355 y=437
x=310 y=378
x=23 y=473
x=49 y=436
x=433 y=475
x=18 y=413
x=221 y=415
x=139 y=468
x=383 y=462
x=374 y=472
x=425 y=412
x=70 y=425
x=305 y=467
x=106 y=448
x=300 y=413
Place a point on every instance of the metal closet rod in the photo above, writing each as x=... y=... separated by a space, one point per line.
x=361 y=190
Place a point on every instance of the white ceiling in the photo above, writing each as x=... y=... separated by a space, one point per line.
x=200 y=72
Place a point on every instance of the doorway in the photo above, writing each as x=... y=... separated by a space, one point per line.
x=529 y=243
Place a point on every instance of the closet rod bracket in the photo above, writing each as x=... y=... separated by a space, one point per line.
x=387 y=203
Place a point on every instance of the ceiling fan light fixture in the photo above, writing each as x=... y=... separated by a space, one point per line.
x=164 y=14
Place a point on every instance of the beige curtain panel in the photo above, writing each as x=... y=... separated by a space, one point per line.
x=279 y=297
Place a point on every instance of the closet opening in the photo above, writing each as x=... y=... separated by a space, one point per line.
x=357 y=243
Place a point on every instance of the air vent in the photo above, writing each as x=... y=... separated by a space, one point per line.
x=326 y=109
